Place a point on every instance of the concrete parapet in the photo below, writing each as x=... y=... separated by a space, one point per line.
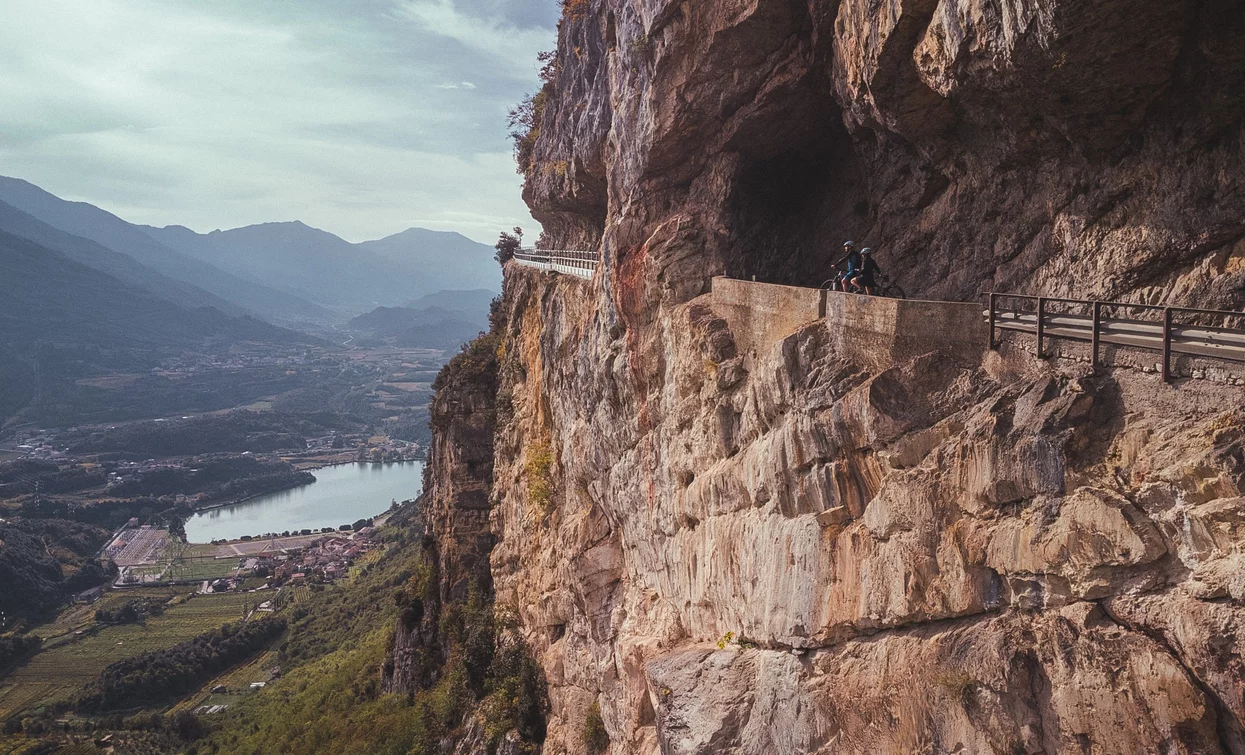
x=762 y=314
x=879 y=333
x=875 y=332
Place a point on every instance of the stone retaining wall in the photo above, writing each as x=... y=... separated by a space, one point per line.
x=879 y=333
x=762 y=314
x=873 y=331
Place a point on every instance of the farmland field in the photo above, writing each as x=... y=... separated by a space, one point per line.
x=298 y=594
x=17 y=745
x=202 y=568
x=367 y=560
x=237 y=680
x=82 y=616
x=59 y=671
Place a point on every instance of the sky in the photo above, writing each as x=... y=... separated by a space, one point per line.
x=361 y=117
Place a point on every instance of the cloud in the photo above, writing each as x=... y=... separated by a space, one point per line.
x=229 y=113
x=492 y=37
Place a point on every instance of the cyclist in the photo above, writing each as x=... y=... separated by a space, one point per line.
x=853 y=260
x=866 y=281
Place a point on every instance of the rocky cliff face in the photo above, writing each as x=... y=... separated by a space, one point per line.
x=794 y=552
x=1089 y=148
x=455 y=509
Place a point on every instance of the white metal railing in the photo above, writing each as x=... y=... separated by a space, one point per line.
x=578 y=262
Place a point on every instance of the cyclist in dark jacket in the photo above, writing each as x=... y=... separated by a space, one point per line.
x=867 y=279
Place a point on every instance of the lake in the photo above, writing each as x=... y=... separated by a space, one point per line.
x=340 y=495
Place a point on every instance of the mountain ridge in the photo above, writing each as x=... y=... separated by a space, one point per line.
x=289 y=272
x=112 y=232
x=121 y=266
x=316 y=264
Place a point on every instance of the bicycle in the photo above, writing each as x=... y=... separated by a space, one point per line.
x=834 y=284
x=889 y=288
x=885 y=286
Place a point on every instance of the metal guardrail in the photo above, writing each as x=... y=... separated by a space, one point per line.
x=1100 y=322
x=579 y=262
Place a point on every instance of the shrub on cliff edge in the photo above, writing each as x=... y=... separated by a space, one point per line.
x=596 y=740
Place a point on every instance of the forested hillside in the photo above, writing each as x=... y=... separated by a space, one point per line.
x=432 y=327
x=34 y=580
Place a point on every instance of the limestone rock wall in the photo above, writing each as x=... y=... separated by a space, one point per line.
x=798 y=554
x=460 y=462
x=1052 y=146
x=458 y=539
x=806 y=550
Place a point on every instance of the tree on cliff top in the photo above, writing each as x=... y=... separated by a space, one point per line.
x=524 y=118
x=507 y=244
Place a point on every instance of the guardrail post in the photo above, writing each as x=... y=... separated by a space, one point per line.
x=993 y=344
x=1095 y=338
x=1167 y=344
x=1041 y=326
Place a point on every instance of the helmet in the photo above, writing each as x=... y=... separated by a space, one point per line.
x=849 y=243
x=866 y=250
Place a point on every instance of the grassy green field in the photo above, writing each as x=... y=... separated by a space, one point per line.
x=155 y=572
x=59 y=671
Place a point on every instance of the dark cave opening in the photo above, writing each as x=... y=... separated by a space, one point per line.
x=793 y=209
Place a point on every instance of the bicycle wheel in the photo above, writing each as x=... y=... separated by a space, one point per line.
x=895 y=292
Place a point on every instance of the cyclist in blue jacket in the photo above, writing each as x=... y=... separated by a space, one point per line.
x=853 y=260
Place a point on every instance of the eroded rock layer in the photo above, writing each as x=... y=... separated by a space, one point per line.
x=795 y=554
x=797 y=550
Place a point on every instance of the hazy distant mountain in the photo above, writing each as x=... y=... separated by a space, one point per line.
x=475 y=301
x=106 y=229
x=289 y=273
x=120 y=266
x=301 y=260
x=444 y=260
x=329 y=270
x=392 y=321
x=447 y=334
x=78 y=321
x=429 y=328
x=441 y=320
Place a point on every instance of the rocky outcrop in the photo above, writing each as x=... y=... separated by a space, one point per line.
x=455 y=504
x=1044 y=146
x=455 y=510
x=810 y=547
x=1019 y=683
